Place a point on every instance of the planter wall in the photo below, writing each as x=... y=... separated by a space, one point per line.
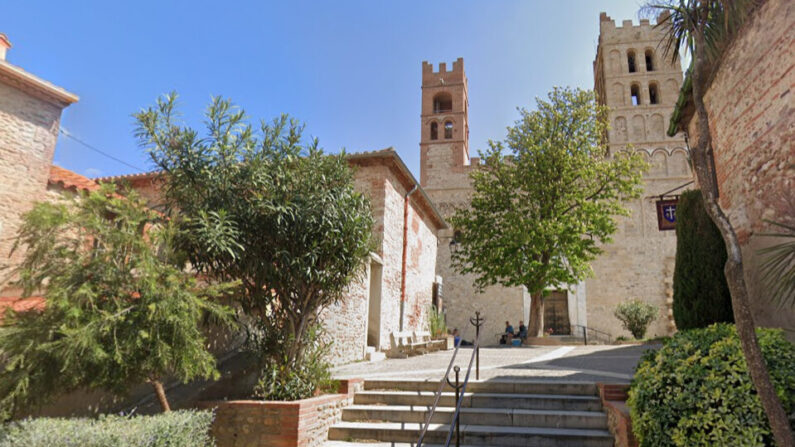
x=614 y=397
x=301 y=423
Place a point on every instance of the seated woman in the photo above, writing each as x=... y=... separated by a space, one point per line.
x=522 y=330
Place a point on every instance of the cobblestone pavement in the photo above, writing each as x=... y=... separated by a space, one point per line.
x=586 y=363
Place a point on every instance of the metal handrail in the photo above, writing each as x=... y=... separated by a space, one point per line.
x=585 y=330
x=438 y=395
x=454 y=421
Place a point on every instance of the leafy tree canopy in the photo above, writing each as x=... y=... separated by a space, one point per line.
x=545 y=198
x=118 y=310
x=264 y=207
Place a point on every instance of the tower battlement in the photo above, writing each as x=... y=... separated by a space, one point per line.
x=443 y=75
x=606 y=23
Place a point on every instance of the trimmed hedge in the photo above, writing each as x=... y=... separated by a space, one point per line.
x=696 y=390
x=701 y=295
x=188 y=428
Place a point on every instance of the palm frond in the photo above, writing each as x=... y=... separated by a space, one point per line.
x=778 y=267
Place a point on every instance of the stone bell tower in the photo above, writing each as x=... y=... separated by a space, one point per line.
x=444 y=136
x=445 y=166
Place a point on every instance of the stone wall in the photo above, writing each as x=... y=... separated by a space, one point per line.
x=28 y=131
x=750 y=106
x=639 y=263
x=347 y=323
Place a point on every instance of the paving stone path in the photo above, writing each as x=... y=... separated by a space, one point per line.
x=613 y=364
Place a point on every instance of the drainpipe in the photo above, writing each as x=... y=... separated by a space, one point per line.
x=405 y=254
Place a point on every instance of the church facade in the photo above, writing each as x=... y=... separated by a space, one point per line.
x=640 y=85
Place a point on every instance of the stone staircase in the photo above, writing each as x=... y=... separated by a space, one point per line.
x=495 y=413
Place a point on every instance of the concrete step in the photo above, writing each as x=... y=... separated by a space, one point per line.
x=484 y=416
x=489 y=386
x=375 y=356
x=475 y=435
x=482 y=400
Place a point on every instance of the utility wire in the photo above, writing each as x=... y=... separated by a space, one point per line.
x=66 y=133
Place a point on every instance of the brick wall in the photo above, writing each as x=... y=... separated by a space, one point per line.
x=302 y=423
x=28 y=131
x=750 y=106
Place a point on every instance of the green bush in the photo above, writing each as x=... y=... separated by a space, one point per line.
x=696 y=391
x=280 y=380
x=701 y=295
x=635 y=316
x=173 y=429
x=436 y=324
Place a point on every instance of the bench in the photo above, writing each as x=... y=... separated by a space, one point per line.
x=404 y=344
x=432 y=345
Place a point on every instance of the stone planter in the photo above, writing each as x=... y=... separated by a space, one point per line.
x=300 y=423
x=449 y=342
x=542 y=341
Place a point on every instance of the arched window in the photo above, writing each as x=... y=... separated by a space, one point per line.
x=654 y=94
x=649 y=60
x=634 y=91
x=434 y=130
x=631 y=61
x=442 y=102
x=448 y=130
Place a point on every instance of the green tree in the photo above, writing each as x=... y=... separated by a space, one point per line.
x=265 y=208
x=545 y=199
x=636 y=316
x=705 y=29
x=118 y=309
x=701 y=296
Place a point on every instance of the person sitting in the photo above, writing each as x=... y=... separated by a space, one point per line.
x=508 y=335
x=458 y=340
x=522 y=331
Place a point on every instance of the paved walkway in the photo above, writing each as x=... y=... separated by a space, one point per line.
x=577 y=363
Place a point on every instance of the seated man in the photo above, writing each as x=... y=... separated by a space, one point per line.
x=522 y=330
x=508 y=335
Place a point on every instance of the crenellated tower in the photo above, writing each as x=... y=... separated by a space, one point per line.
x=444 y=136
x=640 y=84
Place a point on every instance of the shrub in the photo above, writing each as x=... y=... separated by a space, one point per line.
x=173 y=429
x=696 y=391
x=635 y=316
x=278 y=380
x=701 y=295
x=436 y=324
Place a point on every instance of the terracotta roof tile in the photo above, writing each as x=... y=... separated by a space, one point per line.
x=70 y=180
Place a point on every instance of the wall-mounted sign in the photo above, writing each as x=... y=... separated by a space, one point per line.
x=666 y=214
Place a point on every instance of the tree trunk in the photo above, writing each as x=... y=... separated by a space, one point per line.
x=161 y=394
x=704 y=164
x=535 y=322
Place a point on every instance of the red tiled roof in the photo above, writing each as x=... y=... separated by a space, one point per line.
x=20 y=304
x=70 y=180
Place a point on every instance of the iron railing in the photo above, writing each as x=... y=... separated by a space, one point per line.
x=454 y=423
x=579 y=330
x=438 y=395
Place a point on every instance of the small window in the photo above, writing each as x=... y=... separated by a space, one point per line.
x=448 y=130
x=654 y=94
x=634 y=91
x=434 y=131
x=649 y=63
x=631 y=61
x=442 y=102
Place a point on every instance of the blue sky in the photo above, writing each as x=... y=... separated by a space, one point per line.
x=349 y=69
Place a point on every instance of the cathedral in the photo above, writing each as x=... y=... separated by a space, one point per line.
x=640 y=85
